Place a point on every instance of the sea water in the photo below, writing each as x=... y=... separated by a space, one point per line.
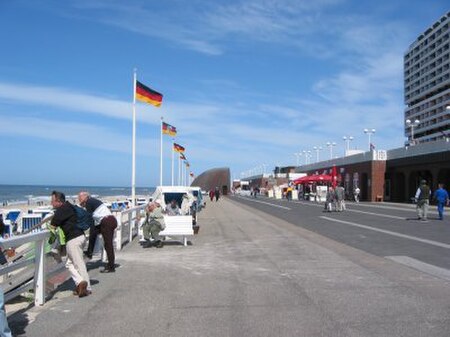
x=31 y=194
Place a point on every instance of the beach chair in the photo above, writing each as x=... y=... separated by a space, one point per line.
x=29 y=221
x=12 y=215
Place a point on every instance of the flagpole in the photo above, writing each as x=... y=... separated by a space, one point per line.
x=161 y=157
x=179 y=170
x=173 y=142
x=133 y=151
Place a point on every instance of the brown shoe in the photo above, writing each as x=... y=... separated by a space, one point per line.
x=82 y=289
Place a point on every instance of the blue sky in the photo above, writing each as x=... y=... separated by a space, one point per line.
x=246 y=83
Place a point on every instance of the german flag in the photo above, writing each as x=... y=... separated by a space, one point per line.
x=178 y=148
x=168 y=129
x=147 y=95
x=182 y=156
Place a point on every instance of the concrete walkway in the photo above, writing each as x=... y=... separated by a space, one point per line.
x=248 y=274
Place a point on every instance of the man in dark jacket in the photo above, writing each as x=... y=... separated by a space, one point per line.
x=66 y=218
x=422 y=198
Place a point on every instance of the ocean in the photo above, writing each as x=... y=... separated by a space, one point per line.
x=23 y=194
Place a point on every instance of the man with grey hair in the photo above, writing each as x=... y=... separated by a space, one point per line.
x=154 y=223
x=104 y=223
x=422 y=199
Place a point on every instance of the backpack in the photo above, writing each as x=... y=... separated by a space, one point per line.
x=84 y=219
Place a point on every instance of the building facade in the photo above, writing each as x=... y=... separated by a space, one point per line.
x=427 y=84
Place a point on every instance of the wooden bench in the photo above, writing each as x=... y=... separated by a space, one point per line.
x=379 y=198
x=178 y=225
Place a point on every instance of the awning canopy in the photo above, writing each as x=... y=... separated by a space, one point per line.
x=314 y=179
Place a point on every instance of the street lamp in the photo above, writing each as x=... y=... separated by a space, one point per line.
x=317 y=148
x=297 y=155
x=369 y=132
x=330 y=145
x=347 y=140
x=412 y=125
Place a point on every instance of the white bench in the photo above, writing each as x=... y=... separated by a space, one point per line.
x=178 y=225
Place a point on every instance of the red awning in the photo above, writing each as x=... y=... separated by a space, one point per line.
x=313 y=179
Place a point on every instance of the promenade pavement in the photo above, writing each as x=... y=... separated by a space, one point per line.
x=247 y=274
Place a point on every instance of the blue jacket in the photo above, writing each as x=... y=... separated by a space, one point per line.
x=441 y=195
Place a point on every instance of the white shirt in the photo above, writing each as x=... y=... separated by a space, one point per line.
x=100 y=212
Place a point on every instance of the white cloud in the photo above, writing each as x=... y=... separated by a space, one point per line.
x=79 y=134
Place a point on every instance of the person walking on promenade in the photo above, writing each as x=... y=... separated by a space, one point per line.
x=441 y=196
x=154 y=223
x=356 y=193
x=211 y=195
x=329 y=199
x=340 y=193
x=104 y=223
x=66 y=218
x=217 y=193
x=422 y=199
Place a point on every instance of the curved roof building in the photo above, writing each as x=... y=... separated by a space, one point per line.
x=216 y=177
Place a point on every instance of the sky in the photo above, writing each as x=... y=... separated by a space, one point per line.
x=246 y=83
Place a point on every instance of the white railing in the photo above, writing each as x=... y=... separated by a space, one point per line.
x=128 y=223
x=19 y=282
x=37 y=283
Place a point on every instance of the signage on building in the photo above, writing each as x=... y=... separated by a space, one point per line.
x=379 y=155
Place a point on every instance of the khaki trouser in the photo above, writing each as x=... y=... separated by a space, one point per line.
x=75 y=261
x=422 y=209
x=151 y=230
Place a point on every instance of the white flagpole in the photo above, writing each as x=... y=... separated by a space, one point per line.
x=173 y=141
x=161 y=161
x=133 y=160
x=179 y=170
x=182 y=173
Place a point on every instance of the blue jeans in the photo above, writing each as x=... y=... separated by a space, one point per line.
x=4 y=328
x=440 y=207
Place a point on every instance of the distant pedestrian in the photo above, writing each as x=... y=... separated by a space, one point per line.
x=422 y=199
x=329 y=199
x=441 y=197
x=104 y=223
x=217 y=193
x=340 y=193
x=66 y=218
x=356 y=193
x=211 y=195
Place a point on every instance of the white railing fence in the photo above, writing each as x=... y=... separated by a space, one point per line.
x=128 y=223
x=21 y=279
x=37 y=283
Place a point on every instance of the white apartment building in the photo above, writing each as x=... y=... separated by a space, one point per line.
x=427 y=84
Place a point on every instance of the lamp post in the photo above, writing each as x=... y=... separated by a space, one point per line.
x=347 y=140
x=412 y=125
x=297 y=155
x=330 y=145
x=369 y=132
x=317 y=148
x=307 y=156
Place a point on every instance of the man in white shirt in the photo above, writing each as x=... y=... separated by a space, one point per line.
x=104 y=223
